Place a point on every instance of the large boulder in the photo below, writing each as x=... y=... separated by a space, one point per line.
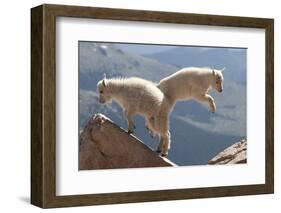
x=104 y=145
x=237 y=153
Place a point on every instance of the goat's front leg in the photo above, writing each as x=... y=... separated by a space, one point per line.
x=128 y=115
x=209 y=99
x=162 y=122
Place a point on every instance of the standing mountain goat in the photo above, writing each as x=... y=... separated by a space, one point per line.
x=137 y=96
x=192 y=83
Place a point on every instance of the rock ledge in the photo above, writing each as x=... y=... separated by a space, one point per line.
x=104 y=145
x=237 y=153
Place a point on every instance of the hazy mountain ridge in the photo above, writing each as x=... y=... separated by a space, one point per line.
x=97 y=59
x=233 y=60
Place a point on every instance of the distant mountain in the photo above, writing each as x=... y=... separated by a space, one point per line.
x=197 y=134
x=234 y=60
x=95 y=59
x=141 y=49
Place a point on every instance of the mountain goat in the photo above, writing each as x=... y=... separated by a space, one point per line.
x=138 y=96
x=192 y=83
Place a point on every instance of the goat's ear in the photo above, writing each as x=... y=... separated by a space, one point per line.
x=104 y=82
x=213 y=72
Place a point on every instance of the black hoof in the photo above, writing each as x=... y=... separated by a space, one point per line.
x=130 y=132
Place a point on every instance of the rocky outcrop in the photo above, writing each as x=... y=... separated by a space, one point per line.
x=104 y=145
x=237 y=153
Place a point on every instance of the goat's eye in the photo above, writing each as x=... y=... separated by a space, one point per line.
x=101 y=92
x=217 y=82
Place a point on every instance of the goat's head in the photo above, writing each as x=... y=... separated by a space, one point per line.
x=218 y=79
x=103 y=90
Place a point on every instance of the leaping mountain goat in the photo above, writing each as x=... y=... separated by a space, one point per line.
x=192 y=83
x=137 y=96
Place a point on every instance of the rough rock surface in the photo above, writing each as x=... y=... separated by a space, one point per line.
x=237 y=153
x=104 y=145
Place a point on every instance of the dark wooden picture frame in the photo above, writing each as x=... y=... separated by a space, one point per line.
x=43 y=105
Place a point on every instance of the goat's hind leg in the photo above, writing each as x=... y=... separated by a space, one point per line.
x=165 y=142
x=160 y=145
